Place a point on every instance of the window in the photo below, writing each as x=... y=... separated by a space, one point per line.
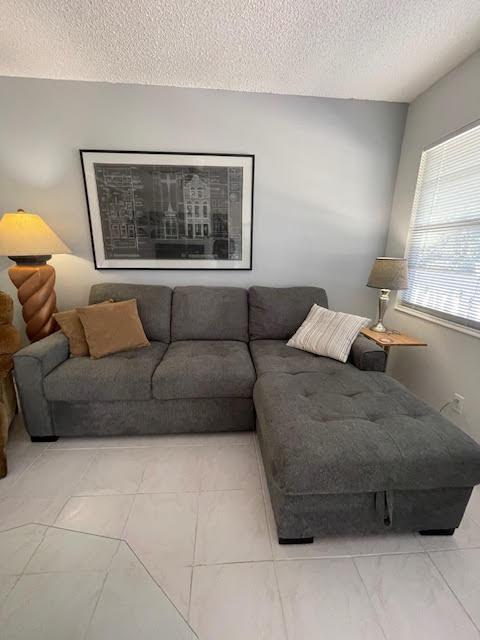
x=170 y=229
x=444 y=241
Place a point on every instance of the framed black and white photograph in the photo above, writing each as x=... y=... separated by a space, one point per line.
x=160 y=210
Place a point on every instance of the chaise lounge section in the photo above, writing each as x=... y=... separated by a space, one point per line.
x=346 y=448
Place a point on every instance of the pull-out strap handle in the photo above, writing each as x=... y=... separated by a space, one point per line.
x=384 y=507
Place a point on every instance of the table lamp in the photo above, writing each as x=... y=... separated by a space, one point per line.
x=27 y=240
x=387 y=274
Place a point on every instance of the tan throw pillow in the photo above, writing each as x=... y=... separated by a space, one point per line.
x=328 y=333
x=70 y=324
x=112 y=327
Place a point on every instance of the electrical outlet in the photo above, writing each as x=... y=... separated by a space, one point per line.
x=457 y=403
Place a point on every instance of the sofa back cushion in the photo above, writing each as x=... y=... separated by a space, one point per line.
x=210 y=313
x=154 y=304
x=277 y=312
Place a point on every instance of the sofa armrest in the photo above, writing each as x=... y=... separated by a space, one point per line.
x=367 y=355
x=31 y=365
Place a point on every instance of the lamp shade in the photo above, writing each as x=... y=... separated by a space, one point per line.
x=389 y=273
x=26 y=234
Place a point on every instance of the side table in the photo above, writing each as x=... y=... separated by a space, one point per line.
x=392 y=339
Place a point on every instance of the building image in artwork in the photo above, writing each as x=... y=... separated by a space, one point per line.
x=119 y=192
x=166 y=203
x=197 y=208
x=170 y=212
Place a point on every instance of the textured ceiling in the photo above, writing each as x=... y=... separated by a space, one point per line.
x=370 y=49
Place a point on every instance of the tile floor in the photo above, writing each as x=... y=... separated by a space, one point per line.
x=58 y=584
x=197 y=514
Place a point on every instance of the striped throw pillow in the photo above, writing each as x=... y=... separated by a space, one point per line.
x=328 y=333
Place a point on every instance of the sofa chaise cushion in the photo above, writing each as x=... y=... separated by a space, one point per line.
x=153 y=303
x=204 y=369
x=273 y=356
x=210 y=313
x=347 y=431
x=121 y=376
x=275 y=313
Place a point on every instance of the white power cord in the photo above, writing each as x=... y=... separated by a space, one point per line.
x=447 y=404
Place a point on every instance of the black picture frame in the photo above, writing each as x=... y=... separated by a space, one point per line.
x=97 y=178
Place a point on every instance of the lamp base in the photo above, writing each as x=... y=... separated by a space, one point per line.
x=383 y=298
x=35 y=281
x=379 y=328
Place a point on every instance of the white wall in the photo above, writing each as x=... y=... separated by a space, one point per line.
x=325 y=172
x=451 y=362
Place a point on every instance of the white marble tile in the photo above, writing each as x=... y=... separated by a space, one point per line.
x=236 y=601
x=133 y=606
x=20 y=455
x=227 y=467
x=205 y=439
x=175 y=582
x=173 y=469
x=125 y=558
x=104 y=442
x=63 y=550
x=473 y=507
x=161 y=528
x=128 y=442
x=232 y=527
x=100 y=515
x=348 y=546
x=466 y=536
x=339 y=546
x=326 y=598
x=7 y=582
x=412 y=600
x=50 y=606
x=17 y=547
x=174 y=579
x=23 y=510
x=112 y=472
x=461 y=570
x=53 y=474
x=217 y=466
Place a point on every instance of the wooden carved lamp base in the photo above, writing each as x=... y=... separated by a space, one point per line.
x=35 y=281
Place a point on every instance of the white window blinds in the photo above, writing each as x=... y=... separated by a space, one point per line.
x=444 y=241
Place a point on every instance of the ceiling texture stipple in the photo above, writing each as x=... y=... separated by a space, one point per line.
x=366 y=49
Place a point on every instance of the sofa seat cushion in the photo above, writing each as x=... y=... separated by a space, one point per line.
x=350 y=431
x=204 y=369
x=273 y=356
x=121 y=376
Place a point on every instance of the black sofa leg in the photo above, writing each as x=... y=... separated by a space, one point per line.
x=437 y=532
x=43 y=438
x=295 y=540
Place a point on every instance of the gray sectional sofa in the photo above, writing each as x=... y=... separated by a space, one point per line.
x=345 y=447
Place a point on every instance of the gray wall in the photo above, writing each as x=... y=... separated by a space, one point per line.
x=325 y=172
x=451 y=362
